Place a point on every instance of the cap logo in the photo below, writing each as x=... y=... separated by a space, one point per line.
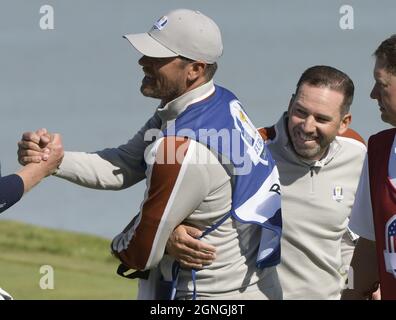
x=160 y=24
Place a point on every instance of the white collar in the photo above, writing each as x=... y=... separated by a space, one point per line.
x=175 y=107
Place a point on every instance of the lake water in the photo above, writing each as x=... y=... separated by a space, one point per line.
x=82 y=79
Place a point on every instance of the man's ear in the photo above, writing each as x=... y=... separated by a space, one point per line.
x=196 y=70
x=345 y=122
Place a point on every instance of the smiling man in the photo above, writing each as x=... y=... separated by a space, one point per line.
x=319 y=161
x=312 y=124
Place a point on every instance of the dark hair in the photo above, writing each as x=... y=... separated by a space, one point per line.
x=329 y=77
x=210 y=69
x=387 y=53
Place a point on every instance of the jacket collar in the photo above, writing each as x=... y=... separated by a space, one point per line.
x=175 y=107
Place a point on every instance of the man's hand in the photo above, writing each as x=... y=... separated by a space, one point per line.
x=56 y=153
x=376 y=295
x=33 y=147
x=187 y=250
x=33 y=173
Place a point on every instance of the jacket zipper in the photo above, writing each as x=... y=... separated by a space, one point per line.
x=312 y=179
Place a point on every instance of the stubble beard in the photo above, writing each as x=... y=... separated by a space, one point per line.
x=310 y=153
x=165 y=94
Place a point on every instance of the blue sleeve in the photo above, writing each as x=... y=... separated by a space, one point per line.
x=11 y=190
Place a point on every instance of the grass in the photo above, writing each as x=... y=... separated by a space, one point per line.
x=82 y=265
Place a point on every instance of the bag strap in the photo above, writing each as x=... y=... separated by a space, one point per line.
x=176 y=265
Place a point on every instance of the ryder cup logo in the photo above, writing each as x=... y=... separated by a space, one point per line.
x=338 y=194
x=160 y=24
x=249 y=134
x=389 y=253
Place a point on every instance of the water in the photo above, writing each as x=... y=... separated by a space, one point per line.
x=82 y=80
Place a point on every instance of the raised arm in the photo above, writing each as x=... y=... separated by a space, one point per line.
x=13 y=186
x=109 y=169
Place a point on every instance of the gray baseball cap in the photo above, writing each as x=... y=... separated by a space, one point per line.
x=181 y=32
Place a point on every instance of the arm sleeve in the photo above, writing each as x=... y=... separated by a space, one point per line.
x=11 y=190
x=347 y=248
x=174 y=191
x=361 y=220
x=111 y=169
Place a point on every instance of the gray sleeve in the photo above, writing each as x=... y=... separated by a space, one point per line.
x=113 y=168
x=173 y=193
x=191 y=188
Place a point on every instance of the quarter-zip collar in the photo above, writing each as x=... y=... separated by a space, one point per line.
x=175 y=107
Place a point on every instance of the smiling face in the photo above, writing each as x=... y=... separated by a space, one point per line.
x=165 y=78
x=384 y=91
x=315 y=119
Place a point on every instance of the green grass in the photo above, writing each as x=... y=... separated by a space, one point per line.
x=82 y=264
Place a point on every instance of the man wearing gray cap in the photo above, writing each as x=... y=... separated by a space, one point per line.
x=207 y=166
